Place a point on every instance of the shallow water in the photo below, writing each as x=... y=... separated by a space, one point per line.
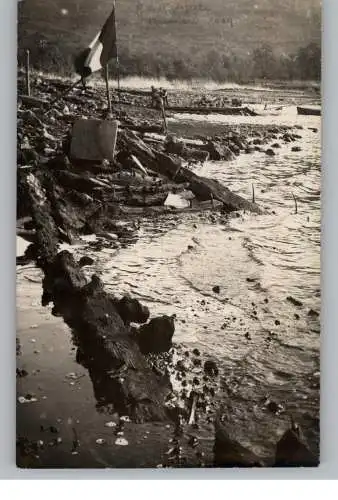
x=257 y=262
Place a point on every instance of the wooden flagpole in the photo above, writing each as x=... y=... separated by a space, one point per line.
x=106 y=77
x=118 y=72
x=117 y=56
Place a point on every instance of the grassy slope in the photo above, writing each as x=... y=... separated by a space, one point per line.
x=187 y=27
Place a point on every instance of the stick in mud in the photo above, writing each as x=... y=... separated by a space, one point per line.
x=253 y=194
x=194 y=398
x=164 y=117
x=296 y=207
x=106 y=77
x=27 y=68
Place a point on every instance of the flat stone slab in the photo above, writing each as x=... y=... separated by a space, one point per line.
x=93 y=140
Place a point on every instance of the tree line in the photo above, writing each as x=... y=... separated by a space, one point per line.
x=262 y=63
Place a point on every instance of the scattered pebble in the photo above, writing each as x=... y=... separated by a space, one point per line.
x=110 y=424
x=21 y=373
x=121 y=442
x=100 y=441
x=23 y=399
x=272 y=406
x=294 y=301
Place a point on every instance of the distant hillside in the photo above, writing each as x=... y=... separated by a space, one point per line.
x=186 y=37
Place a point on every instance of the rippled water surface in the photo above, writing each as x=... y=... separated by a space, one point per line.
x=258 y=261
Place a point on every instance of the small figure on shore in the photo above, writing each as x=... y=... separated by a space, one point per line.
x=164 y=95
x=155 y=98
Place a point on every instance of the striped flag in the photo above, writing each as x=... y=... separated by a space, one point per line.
x=100 y=51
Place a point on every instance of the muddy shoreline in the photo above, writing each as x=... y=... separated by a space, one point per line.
x=175 y=443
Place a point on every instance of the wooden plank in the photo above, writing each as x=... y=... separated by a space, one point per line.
x=32 y=101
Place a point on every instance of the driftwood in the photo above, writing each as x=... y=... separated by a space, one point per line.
x=33 y=101
x=171 y=167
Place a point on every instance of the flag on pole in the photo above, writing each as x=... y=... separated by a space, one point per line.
x=100 y=51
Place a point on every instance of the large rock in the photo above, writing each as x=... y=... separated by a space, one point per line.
x=293 y=451
x=131 y=310
x=210 y=368
x=156 y=336
x=218 y=151
x=230 y=453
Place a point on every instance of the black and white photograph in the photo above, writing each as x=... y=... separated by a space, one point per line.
x=168 y=234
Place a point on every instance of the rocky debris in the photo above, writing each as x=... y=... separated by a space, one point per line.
x=156 y=336
x=296 y=149
x=106 y=347
x=119 y=373
x=218 y=151
x=230 y=453
x=294 y=301
x=86 y=261
x=293 y=451
x=216 y=289
x=312 y=313
x=164 y=164
x=21 y=372
x=270 y=152
x=210 y=368
x=89 y=198
x=236 y=102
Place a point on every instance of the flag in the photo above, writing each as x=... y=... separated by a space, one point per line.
x=100 y=51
